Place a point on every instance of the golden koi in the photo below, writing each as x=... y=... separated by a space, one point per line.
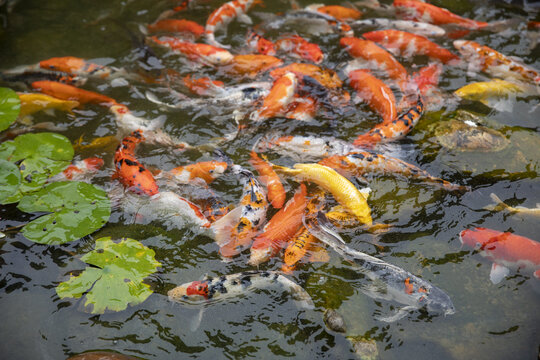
x=484 y=91
x=501 y=205
x=32 y=103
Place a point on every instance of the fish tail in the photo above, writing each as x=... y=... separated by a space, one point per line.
x=223 y=227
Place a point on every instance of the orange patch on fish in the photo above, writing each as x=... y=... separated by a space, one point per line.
x=268 y=177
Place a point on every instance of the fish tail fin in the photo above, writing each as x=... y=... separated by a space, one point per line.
x=498 y=26
x=222 y=228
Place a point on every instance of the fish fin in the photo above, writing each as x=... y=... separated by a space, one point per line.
x=196 y=321
x=143 y=29
x=499 y=204
x=153 y=98
x=318 y=254
x=222 y=227
x=498 y=272
x=285 y=170
x=245 y=19
x=400 y=314
x=323 y=230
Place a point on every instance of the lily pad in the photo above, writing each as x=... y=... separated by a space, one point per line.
x=10 y=105
x=39 y=156
x=10 y=179
x=77 y=209
x=115 y=281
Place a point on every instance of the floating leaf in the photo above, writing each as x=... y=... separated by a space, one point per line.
x=9 y=107
x=39 y=157
x=117 y=282
x=10 y=179
x=77 y=208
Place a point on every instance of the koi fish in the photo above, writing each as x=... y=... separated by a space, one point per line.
x=259 y=44
x=107 y=142
x=389 y=282
x=231 y=286
x=490 y=93
x=341 y=13
x=207 y=54
x=326 y=77
x=203 y=86
x=501 y=205
x=77 y=66
x=303 y=148
x=507 y=251
x=177 y=26
x=342 y=189
x=377 y=57
x=267 y=176
x=392 y=130
x=79 y=170
x=415 y=27
x=207 y=171
x=253 y=207
x=421 y=11
x=281 y=227
x=311 y=21
x=297 y=46
x=359 y=163
x=407 y=45
x=480 y=57
x=375 y=92
x=129 y=171
x=301 y=108
x=32 y=103
x=223 y=15
x=252 y=64
x=68 y=92
x=280 y=96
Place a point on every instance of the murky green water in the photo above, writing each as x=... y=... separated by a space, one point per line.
x=492 y=321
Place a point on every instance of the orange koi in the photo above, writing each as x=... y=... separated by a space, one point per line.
x=76 y=66
x=376 y=56
x=260 y=44
x=326 y=77
x=129 y=171
x=375 y=92
x=177 y=26
x=204 y=170
x=407 y=45
x=299 y=47
x=252 y=64
x=283 y=225
x=532 y=25
x=207 y=54
x=424 y=12
x=280 y=96
x=267 y=176
x=224 y=15
x=301 y=108
x=79 y=170
x=392 y=130
x=494 y=63
x=68 y=92
x=202 y=86
x=341 y=13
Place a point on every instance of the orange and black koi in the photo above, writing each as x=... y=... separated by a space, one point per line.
x=129 y=171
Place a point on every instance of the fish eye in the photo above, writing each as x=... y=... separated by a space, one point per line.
x=211 y=171
x=477 y=245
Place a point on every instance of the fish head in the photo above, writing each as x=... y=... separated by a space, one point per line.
x=93 y=163
x=475 y=238
x=258 y=256
x=438 y=302
x=465 y=48
x=221 y=57
x=196 y=290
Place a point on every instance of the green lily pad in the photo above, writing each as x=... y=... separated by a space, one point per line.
x=10 y=105
x=117 y=282
x=39 y=156
x=77 y=209
x=10 y=179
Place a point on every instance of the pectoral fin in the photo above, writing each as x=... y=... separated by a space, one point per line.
x=498 y=272
x=245 y=19
x=400 y=314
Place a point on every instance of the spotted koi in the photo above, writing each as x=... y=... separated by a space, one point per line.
x=267 y=176
x=259 y=44
x=177 y=26
x=68 y=92
x=393 y=130
x=280 y=96
x=129 y=171
x=207 y=54
x=407 y=45
x=298 y=47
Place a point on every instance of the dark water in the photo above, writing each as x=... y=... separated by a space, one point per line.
x=492 y=321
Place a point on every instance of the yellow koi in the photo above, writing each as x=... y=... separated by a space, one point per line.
x=107 y=142
x=483 y=91
x=32 y=103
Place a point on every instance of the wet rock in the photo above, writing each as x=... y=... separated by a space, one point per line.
x=102 y=355
x=334 y=321
x=364 y=348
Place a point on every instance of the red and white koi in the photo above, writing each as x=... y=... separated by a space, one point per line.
x=405 y=44
x=280 y=96
x=203 y=86
x=204 y=53
x=298 y=47
x=80 y=170
x=484 y=58
x=234 y=285
x=259 y=44
x=223 y=15
x=507 y=251
x=206 y=171
x=421 y=11
x=419 y=28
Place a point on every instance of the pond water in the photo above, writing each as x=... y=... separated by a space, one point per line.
x=491 y=321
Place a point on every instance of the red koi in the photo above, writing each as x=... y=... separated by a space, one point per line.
x=202 y=86
x=268 y=177
x=297 y=46
x=68 y=92
x=407 y=45
x=375 y=92
x=280 y=96
x=129 y=171
x=260 y=44
x=507 y=251
x=177 y=26
x=283 y=225
x=424 y=12
x=197 y=52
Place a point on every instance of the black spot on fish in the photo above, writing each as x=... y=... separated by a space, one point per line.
x=369 y=158
x=130 y=163
x=141 y=169
x=358 y=156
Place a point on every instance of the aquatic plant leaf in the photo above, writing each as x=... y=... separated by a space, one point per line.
x=39 y=156
x=77 y=209
x=117 y=282
x=10 y=179
x=10 y=105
